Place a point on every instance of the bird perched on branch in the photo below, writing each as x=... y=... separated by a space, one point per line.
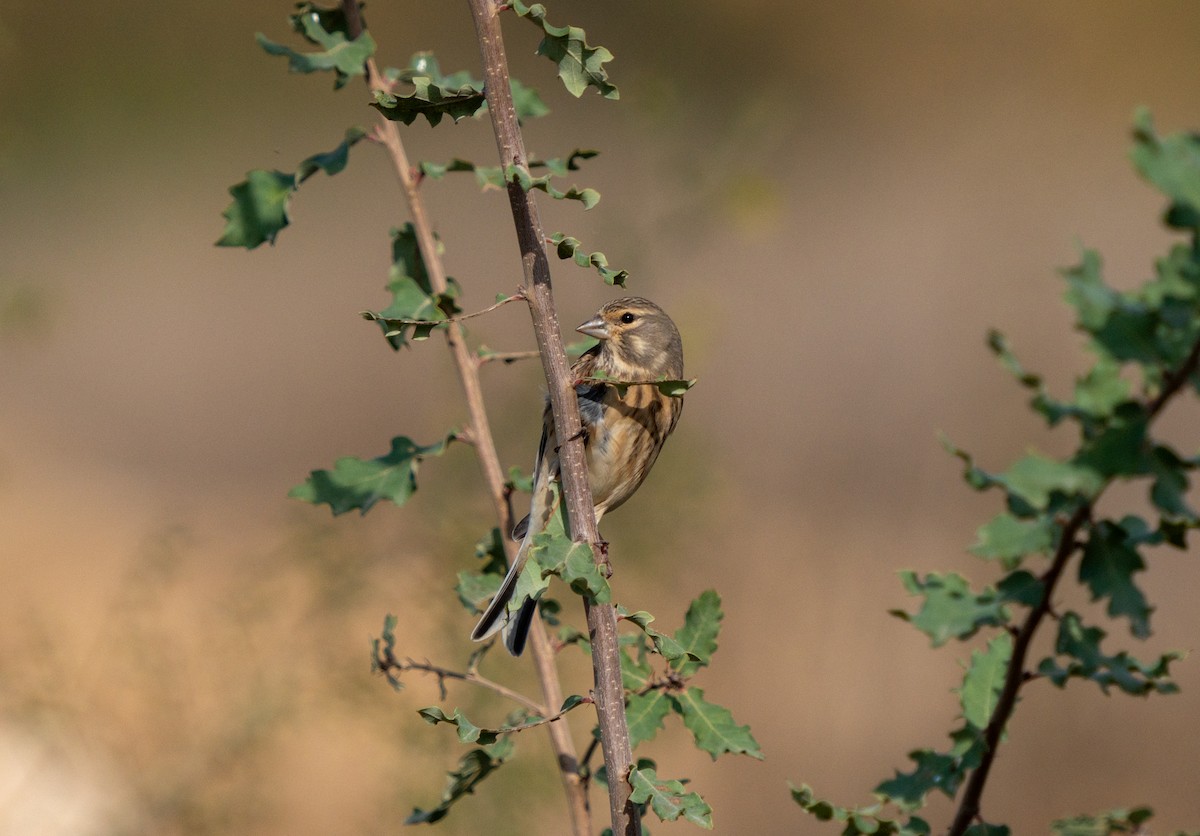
x=623 y=435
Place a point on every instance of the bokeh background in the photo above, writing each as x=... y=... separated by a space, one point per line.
x=834 y=201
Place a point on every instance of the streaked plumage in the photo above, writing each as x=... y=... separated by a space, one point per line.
x=623 y=435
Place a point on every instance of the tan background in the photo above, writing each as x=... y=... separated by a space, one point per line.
x=835 y=201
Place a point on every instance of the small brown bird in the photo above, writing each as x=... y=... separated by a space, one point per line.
x=623 y=435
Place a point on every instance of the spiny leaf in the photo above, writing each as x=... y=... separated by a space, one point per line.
x=413 y=299
x=670 y=388
x=358 y=483
x=713 y=726
x=950 y=610
x=1103 y=824
x=552 y=552
x=1008 y=539
x=645 y=714
x=984 y=680
x=472 y=768
x=668 y=799
x=468 y=732
x=1171 y=163
x=664 y=645
x=579 y=65
x=1085 y=660
x=934 y=771
x=1108 y=566
x=522 y=177
x=324 y=28
x=260 y=202
x=698 y=635
x=862 y=820
x=570 y=248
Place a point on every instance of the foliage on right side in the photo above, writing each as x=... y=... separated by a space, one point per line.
x=1146 y=344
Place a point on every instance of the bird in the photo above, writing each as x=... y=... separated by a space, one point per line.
x=623 y=433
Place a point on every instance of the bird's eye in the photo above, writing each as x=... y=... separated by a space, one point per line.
x=627 y=318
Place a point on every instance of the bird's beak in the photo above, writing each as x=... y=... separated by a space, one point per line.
x=595 y=327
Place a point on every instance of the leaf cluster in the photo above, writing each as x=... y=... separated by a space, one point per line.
x=1146 y=348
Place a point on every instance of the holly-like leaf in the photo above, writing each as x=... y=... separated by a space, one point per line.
x=472 y=768
x=360 y=483
x=522 y=177
x=1008 y=539
x=1171 y=163
x=698 y=635
x=570 y=248
x=1085 y=660
x=713 y=726
x=668 y=799
x=1120 y=449
x=1170 y=487
x=635 y=674
x=579 y=65
x=858 y=821
x=934 y=771
x=430 y=100
x=951 y=610
x=468 y=732
x=343 y=56
x=984 y=680
x=552 y=552
x=1103 y=824
x=664 y=645
x=260 y=202
x=415 y=309
x=475 y=590
x=1108 y=566
x=645 y=714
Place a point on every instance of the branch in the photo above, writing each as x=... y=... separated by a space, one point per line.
x=481 y=434
x=1015 y=676
x=389 y=662
x=602 y=618
x=371 y=315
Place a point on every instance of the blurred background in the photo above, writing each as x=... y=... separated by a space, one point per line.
x=834 y=201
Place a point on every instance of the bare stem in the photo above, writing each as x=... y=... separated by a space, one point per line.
x=1015 y=676
x=601 y=618
x=483 y=443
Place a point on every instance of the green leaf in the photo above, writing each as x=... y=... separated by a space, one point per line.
x=521 y=176
x=951 y=610
x=344 y=57
x=433 y=94
x=645 y=714
x=358 y=483
x=1035 y=479
x=858 y=821
x=1120 y=449
x=570 y=248
x=985 y=829
x=713 y=727
x=1092 y=299
x=579 y=65
x=468 y=732
x=259 y=209
x=413 y=299
x=1170 y=487
x=552 y=552
x=1085 y=660
x=984 y=680
x=635 y=674
x=475 y=590
x=664 y=645
x=383 y=649
x=1108 y=565
x=1020 y=587
x=935 y=771
x=668 y=799
x=1008 y=539
x=260 y=202
x=1103 y=824
x=1171 y=163
x=1102 y=389
x=698 y=635
x=472 y=768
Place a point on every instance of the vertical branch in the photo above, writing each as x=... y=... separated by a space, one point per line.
x=602 y=619
x=483 y=443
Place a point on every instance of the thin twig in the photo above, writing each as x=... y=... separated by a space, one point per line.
x=463 y=676
x=377 y=318
x=481 y=433
x=1016 y=675
x=507 y=357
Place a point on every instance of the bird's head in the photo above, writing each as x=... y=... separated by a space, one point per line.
x=637 y=339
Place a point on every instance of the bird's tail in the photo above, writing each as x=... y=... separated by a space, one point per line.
x=515 y=625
